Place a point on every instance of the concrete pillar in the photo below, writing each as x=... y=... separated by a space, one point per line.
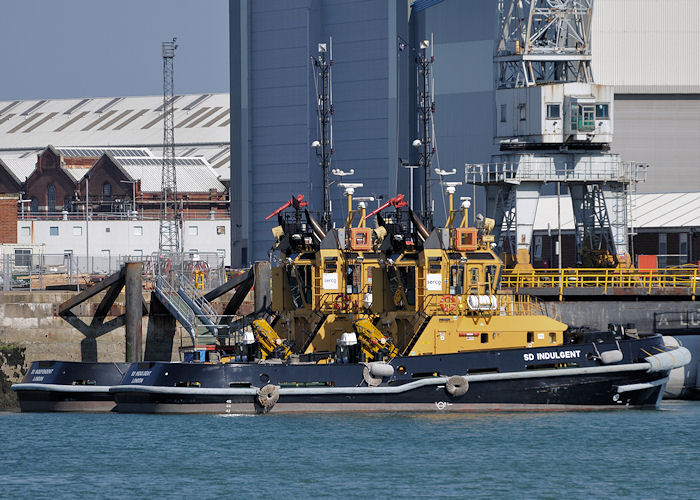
x=134 y=311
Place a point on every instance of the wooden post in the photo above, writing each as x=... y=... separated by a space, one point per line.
x=134 y=311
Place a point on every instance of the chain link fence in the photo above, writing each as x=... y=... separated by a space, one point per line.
x=23 y=270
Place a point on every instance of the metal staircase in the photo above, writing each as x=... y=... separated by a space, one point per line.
x=189 y=308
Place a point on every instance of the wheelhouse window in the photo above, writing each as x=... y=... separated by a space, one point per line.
x=456 y=280
x=353 y=281
x=491 y=276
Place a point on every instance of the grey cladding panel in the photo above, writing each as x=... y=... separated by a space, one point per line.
x=459 y=20
x=663 y=132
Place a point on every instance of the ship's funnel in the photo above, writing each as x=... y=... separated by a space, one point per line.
x=418 y=224
x=315 y=227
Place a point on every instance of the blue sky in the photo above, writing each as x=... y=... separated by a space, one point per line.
x=97 y=48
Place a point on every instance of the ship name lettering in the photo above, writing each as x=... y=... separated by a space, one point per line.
x=136 y=380
x=42 y=371
x=141 y=373
x=558 y=355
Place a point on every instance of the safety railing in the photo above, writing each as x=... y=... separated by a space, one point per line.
x=680 y=277
x=22 y=269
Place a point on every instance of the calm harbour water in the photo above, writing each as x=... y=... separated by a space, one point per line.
x=617 y=454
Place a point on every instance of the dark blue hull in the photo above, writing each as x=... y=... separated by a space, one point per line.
x=69 y=386
x=562 y=377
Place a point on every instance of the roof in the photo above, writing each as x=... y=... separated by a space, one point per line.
x=121 y=126
x=192 y=175
x=20 y=168
x=113 y=121
x=83 y=152
x=649 y=210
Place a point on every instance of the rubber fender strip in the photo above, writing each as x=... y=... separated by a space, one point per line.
x=60 y=388
x=297 y=391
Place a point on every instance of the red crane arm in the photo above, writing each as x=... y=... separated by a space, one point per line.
x=397 y=202
x=296 y=201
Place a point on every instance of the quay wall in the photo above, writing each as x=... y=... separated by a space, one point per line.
x=597 y=314
x=31 y=330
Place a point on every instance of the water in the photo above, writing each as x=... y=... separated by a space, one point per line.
x=618 y=454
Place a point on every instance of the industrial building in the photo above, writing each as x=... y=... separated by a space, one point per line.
x=655 y=80
x=56 y=154
x=258 y=140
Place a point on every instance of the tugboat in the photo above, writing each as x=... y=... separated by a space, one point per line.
x=68 y=386
x=401 y=319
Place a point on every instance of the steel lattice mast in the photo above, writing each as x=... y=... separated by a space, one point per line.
x=169 y=242
x=324 y=147
x=425 y=106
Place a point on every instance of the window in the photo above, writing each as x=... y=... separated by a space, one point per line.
x=138 y=253
x=138 y=230
x=107 y=230
x=53 y=231
x=530 y=337
x=193 y=230
x=522 y=110
x=106 y=191
x=105 y=253
x=683 y=247
x=538 y=247
x=503 y=113
x=77 y=230
x=456 y=280
x=25 y=231
x=553 y=111
x=220 y=229
x=51 y=197
x=34 y=205
x=663 y=249
x=601 y=112
x=23 y=257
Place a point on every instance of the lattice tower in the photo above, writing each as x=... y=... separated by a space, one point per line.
x=169 y=242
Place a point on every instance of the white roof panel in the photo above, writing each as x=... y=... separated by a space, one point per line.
x=649 y=210
x=192 y=175
x=113 y=121
x=20 y=167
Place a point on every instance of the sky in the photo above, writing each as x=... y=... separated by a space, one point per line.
x=54 y=49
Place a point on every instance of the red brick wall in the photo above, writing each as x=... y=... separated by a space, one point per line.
x=8 y=218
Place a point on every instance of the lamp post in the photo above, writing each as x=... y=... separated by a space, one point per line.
x=87 y=217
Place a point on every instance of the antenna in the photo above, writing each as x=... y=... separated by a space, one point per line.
x=169 y=242
x=321 y=67
x=426 y=107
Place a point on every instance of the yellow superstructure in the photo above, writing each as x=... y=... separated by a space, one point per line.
x=442 y=296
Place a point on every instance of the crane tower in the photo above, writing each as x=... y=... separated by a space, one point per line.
x=553 y=124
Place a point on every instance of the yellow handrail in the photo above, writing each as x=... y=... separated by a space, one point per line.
x=680 y=277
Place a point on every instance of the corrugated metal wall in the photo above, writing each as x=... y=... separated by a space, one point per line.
x=647 y=46
x=278 y=93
